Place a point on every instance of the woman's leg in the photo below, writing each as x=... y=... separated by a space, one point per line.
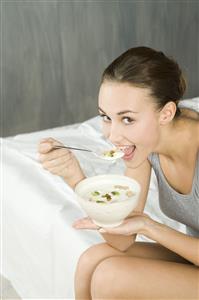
x=142 y=278
x=90 y=259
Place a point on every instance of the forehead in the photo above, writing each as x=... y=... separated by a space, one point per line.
x=120 y=96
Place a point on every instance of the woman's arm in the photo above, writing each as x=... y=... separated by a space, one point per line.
x=180 y=243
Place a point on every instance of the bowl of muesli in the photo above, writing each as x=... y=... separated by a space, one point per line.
x=108 y=199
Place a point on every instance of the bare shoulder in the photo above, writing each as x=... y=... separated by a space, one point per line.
x=193 y=117
x=142 y=174
x=189 y=113
x=197 y=133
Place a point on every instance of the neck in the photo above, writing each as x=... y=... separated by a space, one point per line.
x=179 y=140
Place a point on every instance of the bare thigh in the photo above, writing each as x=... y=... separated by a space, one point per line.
x=143 y=278
x=93 y=256
x=99 y=252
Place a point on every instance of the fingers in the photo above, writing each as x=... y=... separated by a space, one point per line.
x=111 y=230
x=61 y=162
x=55 y=154
x=45 y=147
x=85 y=223
x=123 y=228
x=55 y=165
x=57 y=162
x=49 y=140
x=129 y=226
x=61 y=169
x=47 y=144
x=58 y=166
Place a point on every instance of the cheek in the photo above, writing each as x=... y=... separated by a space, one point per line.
x=150 y=133
x=144 y=133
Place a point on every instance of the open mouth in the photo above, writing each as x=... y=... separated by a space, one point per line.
x=128 y=151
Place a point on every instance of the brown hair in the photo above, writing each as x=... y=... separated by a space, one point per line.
x=148 y=68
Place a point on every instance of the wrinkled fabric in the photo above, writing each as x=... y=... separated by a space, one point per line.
x=40 y=247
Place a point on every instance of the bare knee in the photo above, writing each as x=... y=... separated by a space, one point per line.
x=108 y=279
x=85 y=267
x=87 y=264
x=92 y=254
x=103 y=279
x=90 y=258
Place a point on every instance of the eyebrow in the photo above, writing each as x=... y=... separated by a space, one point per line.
x=121 y=112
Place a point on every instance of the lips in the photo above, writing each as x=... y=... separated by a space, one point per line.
x=128 y=151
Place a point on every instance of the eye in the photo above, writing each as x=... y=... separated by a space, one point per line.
x=127 y=120
x=105 y=118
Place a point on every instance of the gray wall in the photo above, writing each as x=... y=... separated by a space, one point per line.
x=53 y=53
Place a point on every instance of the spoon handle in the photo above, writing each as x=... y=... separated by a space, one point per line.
x=73 y=148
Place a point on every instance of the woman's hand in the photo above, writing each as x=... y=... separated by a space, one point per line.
x=137 y=223
x=60 y=162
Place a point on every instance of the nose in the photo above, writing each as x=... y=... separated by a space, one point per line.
x=114 y=135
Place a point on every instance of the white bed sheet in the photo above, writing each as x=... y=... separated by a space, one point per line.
x=40 y=248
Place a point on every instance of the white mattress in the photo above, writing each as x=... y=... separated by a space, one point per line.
x=40 y=248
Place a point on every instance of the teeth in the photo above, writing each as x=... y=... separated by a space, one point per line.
x=123 y=148
x=127 y=149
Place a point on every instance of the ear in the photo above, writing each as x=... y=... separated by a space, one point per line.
x=167 y=113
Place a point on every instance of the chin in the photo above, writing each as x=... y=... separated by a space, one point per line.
x=135 y=163
x=132 y=164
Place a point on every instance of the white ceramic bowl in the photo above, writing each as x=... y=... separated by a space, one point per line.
x=110 y=214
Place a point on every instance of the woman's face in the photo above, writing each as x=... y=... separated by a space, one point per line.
x=130 y=120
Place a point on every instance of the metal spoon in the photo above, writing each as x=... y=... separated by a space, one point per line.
x=102 y=155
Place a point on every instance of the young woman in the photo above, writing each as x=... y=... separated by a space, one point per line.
x=138 y=103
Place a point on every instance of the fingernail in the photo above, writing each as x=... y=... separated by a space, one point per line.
x=45 y=147
x=102 y=230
